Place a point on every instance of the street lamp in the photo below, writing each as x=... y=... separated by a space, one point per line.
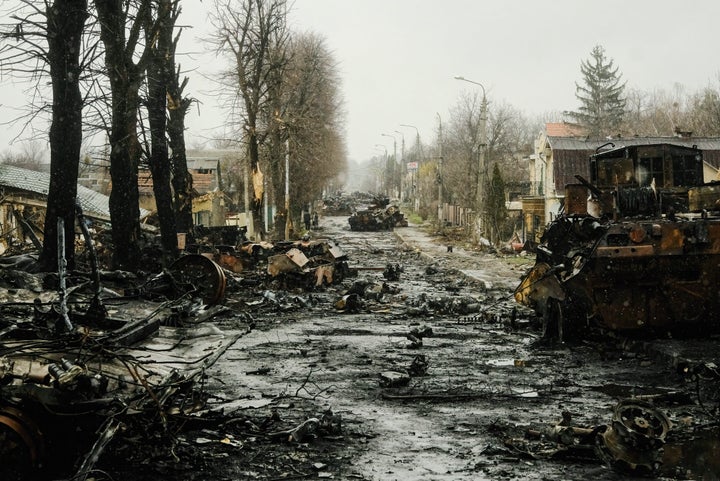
x=482 y=146
x=386 y=164
x=418 y=145
x=403 y=169
x=394 y=159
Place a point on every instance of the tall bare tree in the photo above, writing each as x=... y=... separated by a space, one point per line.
x=509 y=135
x=249 y=31
x=61 y=25
x=178 y=105
x=65 y=25
x=704 y=116
x=462 y=144
x=160 y=72
x=126 y=60
x=309 y=113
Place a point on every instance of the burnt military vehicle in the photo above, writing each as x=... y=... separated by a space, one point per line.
x=636 y=248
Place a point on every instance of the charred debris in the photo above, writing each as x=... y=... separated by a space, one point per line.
x=635 y=249
x=86 y=354
x=368 y=212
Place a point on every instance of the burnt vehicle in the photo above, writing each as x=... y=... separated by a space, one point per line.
x=635 y=250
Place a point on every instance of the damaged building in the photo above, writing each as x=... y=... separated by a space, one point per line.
x=561 y=152
x=23 y=204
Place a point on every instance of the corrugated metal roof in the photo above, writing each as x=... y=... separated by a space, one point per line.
x=709 y=145
x=94 y=204
x=575 y=143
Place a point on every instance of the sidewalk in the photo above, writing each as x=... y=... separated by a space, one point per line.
x=492 y=271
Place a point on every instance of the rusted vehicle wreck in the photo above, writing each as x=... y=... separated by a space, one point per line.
x=73 y=375
x=636 y=249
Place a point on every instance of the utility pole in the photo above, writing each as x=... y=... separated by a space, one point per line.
x=482 y=145
x=287 y=189
x=440 y=181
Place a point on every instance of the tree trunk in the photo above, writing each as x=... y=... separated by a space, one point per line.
x=178 y=106
x=65 y=24
x=159 y=74
x=181 y=178
x=125 y=79
x=124 y=196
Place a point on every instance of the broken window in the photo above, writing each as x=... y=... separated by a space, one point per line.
x=651 y=168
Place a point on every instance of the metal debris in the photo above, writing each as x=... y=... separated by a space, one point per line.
x=638 y=256
x=632 y=442
x=377 y=219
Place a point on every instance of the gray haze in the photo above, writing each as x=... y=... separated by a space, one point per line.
x=397 y=58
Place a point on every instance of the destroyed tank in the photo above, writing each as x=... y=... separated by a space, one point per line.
x=636 y=249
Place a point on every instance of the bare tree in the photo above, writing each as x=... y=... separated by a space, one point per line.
x=461 y=149
x=61 y=25
x=655 y=113
x=704 y=115
x=509 y=135
x=249 y=31
x=30 y=156
x=126 y=59
x=178 y=105
x=308 y=109
x=160 y=72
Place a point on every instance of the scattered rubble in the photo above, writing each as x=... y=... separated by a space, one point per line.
x=291 y=364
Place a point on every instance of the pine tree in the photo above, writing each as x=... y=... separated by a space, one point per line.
x=601 y=95
x=495 y=208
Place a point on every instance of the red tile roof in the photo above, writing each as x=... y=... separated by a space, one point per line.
x=564 y=129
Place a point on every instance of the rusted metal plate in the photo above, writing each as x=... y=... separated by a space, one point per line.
x=292 y=261
x=673 y=239
x=335 y=251
x=625 y=251
x=538 y=286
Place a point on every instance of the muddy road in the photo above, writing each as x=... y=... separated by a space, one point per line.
x=435 y=376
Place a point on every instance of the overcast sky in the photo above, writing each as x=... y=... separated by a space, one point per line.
x=397 y=58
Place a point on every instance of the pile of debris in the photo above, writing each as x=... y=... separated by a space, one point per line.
x=338 y=203
x=85 y=354
x=74 y=372
x=378 y=215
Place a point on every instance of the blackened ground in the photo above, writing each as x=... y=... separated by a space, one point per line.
x=488 y=387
